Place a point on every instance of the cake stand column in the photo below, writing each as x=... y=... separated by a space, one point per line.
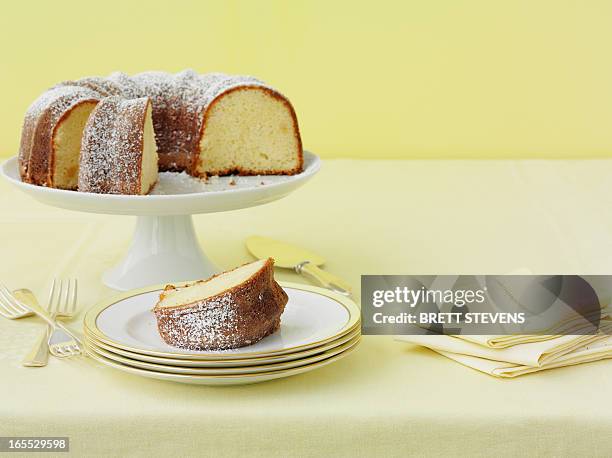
x=163 y=249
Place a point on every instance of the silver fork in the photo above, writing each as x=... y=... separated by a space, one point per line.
x=14 y=311
x=58 y=345
x=62 y=342
x=57 y=308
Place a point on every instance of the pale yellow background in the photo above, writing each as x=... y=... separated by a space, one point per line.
x=368 y=79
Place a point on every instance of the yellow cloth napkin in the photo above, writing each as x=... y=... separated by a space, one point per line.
x=594 y=351
x=534 y=354
x=574 y=326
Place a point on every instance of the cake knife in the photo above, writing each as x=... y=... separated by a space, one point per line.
x=302 y=261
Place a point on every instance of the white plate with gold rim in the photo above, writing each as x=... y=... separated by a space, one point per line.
x=313 y=316
x=92 y=347
x=248 y=362
x=239 y=379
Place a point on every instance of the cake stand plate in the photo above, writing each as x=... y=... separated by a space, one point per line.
x=164 y=246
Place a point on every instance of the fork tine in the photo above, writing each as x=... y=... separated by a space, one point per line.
x=63 y=297
x=66 y=350
x=57 y=303
x=57 y=295
x=58 y=298
x=51 y=293
x=5 y=312
x=12 y=308
x=73 y=303
x=5 y=307
x=9 y=302
x=20 y=306
x=69 y=297
x=63 y=307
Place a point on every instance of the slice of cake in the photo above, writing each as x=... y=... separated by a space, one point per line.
x=229 y=310
x=67 y=146
x=51 y=136
x=118 y=149
x=249 y=130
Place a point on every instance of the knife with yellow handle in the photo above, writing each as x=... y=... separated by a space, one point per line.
x=302 y=261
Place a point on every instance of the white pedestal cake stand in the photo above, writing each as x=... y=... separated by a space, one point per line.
x=164 y=247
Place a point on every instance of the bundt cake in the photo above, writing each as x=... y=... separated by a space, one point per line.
x=229 y=310
x=211 y=124
x=118 y=151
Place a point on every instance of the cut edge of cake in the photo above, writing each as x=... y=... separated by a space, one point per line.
x=249 y=130
x=66 y=151
x=203 y=290
x=149 y=159
x=229 y=310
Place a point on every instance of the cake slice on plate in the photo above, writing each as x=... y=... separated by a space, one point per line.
x=229 y=310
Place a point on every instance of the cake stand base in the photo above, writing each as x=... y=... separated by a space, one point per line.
x=163 y=249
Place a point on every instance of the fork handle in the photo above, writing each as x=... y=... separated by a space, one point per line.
x=42 y=313
x=39 y=355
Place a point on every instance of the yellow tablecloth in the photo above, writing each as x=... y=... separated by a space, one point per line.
x=388 y=398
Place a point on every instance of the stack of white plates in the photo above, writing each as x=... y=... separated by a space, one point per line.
x=318 y=327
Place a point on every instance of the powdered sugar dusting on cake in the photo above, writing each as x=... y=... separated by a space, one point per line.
x=179 y=102
x=169 y=183
x=242 y=314
x=129 y=89
x=102 y=86
x=218 y=83
x=39 y=123
x=57 y=100
x=111 y=147
x=212 y=324
x=173 y=183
